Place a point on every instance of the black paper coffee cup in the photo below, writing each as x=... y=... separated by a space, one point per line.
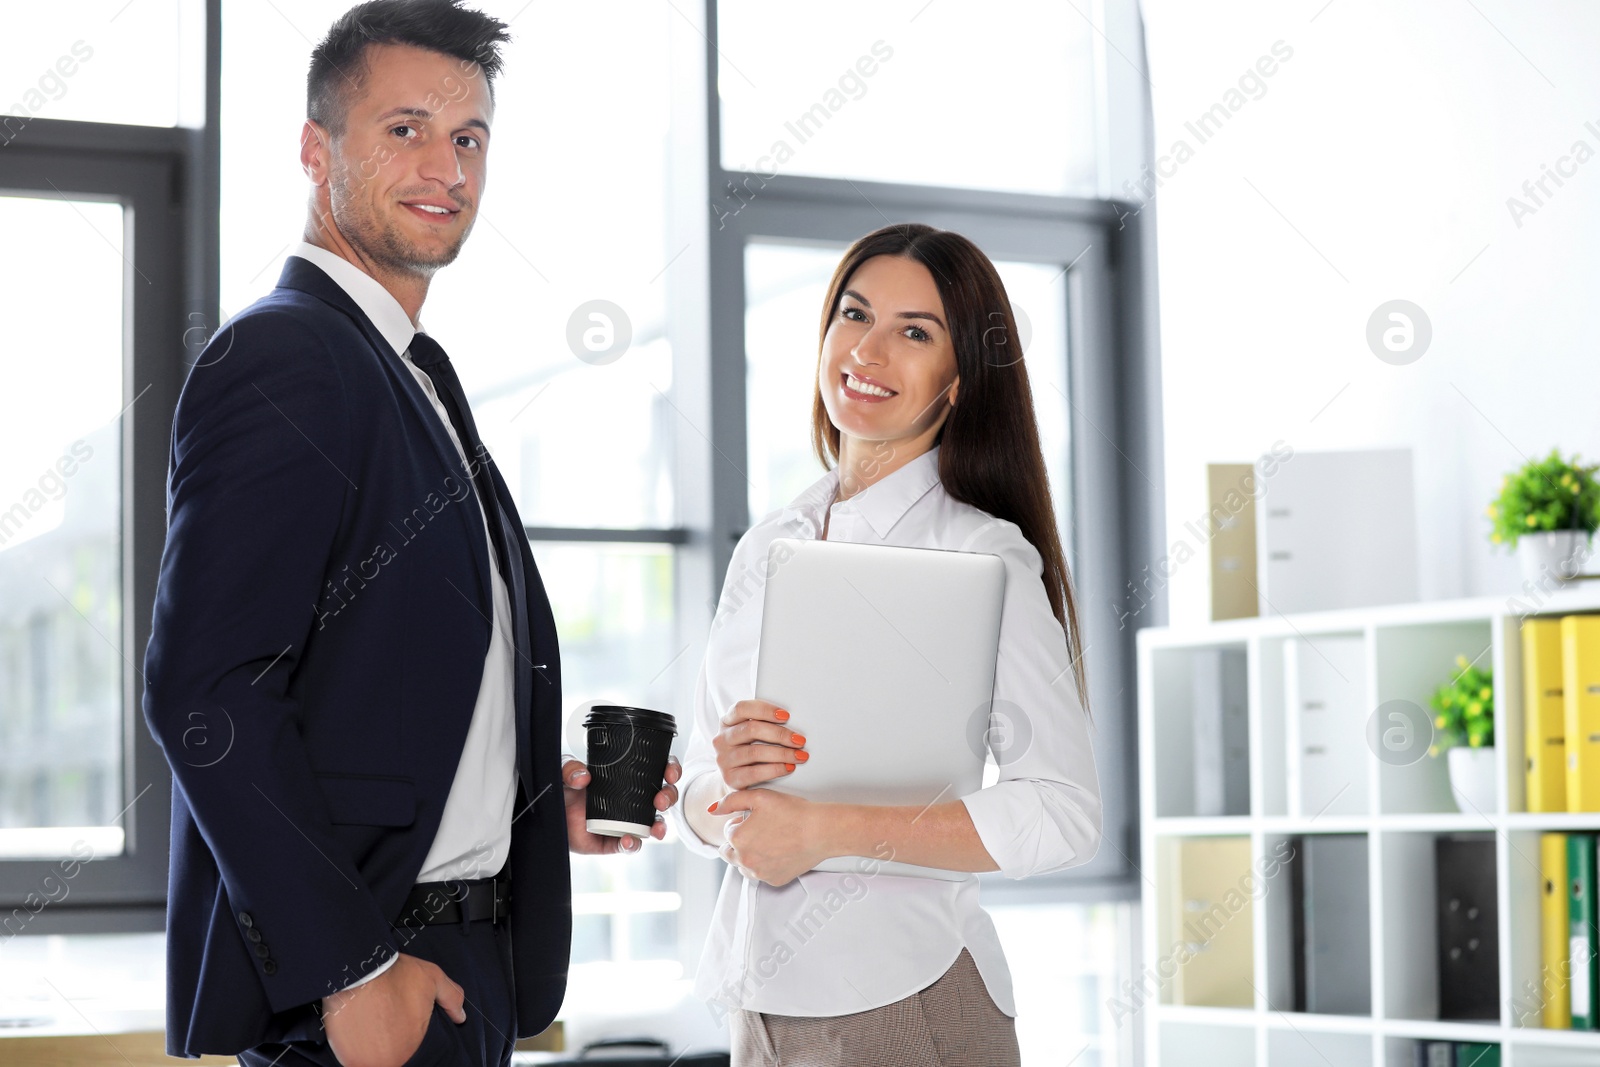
x=627 y=757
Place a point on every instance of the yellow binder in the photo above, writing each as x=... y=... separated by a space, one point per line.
x=1554 y=992
x=1544 y=715
x=1580 y=653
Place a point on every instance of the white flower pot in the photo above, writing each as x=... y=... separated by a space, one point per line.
x=1553 y=557
x=1472 y=779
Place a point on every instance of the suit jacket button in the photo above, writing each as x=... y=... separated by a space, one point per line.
x=253 y=935
x=261 y=950
x=270 y=967
x=245 y=920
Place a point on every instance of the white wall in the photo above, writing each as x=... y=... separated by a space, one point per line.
x=1375 y=163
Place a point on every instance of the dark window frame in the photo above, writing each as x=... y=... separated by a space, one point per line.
x=167 y=179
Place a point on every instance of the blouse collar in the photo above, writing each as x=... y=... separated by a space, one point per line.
x=882 y=504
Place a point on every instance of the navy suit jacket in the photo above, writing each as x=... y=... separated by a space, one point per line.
x=320 y=626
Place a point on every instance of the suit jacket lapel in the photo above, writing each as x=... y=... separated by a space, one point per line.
x=306 y=277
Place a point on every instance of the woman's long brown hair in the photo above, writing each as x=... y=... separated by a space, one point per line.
x=989 y=455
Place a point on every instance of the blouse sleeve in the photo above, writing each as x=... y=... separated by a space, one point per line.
x=723 y=673
x=1044 y=812
x=699 y=758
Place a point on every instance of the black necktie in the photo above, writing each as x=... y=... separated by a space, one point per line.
x=428 y=355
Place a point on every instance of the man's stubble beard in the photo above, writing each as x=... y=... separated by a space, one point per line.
x=380 y=240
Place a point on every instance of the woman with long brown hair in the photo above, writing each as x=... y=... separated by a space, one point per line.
x=924 y=420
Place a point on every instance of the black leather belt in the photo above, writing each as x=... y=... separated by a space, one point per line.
x=458 y=901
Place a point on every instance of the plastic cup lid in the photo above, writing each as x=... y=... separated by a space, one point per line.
x=621 y=715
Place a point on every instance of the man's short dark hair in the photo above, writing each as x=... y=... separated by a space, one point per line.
x=338 y=64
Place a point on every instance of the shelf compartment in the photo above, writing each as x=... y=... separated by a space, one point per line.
x=1525 y=897
x=1205 y=921
x=1512 y=725
x=1410 y=663
x=1317 y=913
x=1410 y=925
x=1202 y=741
x=1327 y=765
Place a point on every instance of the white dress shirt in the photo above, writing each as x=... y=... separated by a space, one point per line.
x=831 y=943
x=474 y=835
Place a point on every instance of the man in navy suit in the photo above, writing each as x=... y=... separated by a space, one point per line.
x=354 y=670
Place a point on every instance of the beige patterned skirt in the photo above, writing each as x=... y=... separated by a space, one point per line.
x=951 y=1023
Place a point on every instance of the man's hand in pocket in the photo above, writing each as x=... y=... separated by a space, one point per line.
x=381 y=1023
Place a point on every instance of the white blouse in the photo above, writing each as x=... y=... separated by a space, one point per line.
x=835 y=943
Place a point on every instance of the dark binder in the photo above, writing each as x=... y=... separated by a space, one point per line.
x=1469 y=945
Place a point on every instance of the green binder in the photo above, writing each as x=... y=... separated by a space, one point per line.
x=1581 y=875
x=1477 y=1054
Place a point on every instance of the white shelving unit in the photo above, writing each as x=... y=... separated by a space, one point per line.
x=1409 y=650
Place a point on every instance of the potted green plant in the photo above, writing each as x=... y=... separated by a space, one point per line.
x=1547 y=511
x=1463 y=728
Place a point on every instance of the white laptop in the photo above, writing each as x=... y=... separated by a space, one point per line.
x=885 y=659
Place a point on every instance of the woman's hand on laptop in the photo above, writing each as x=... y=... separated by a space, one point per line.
x=778 y=837
x=755 y=744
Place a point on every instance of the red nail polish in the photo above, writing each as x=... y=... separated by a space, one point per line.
x=714 y=806
x=783 y=716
